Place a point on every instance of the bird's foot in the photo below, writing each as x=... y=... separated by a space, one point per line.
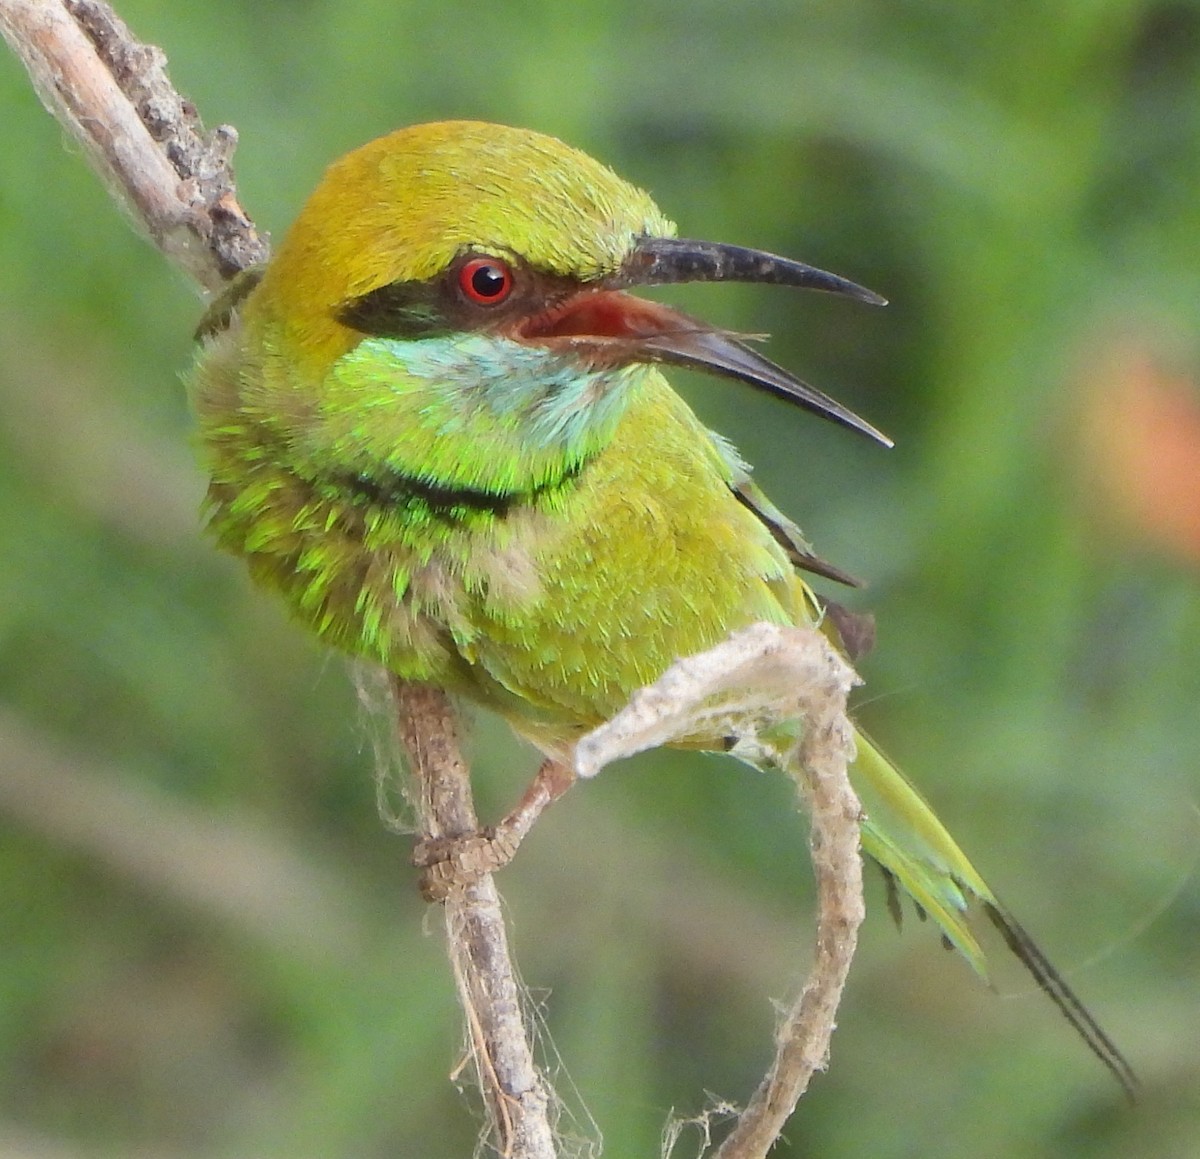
x=450 y=862
x=453 y=862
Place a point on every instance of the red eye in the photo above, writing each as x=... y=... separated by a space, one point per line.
x=485 y=281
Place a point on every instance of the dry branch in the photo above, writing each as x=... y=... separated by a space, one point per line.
x=515 y=1092
x=741 y=689
x=148 y=145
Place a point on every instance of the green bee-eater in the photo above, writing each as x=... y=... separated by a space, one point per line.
x=439 y=426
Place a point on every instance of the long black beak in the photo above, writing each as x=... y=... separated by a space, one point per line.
x=661 y=261
x=656 y=333
x=716 y=352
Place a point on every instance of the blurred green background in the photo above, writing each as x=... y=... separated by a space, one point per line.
x=209 y=944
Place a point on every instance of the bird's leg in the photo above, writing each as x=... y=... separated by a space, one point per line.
x=447 y=862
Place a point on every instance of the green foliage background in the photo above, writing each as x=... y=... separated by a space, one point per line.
x=210 y=946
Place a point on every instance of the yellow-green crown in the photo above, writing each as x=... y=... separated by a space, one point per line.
x=402 y=207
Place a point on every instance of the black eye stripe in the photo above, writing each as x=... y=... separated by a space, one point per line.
x=397 y=310
x=444 y=305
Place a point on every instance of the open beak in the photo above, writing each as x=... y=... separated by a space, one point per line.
x=609 y=326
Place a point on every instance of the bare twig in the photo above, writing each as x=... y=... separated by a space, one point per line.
x=517 y=1096
x=146 y=142
x=742 y=689
x=802 y=1039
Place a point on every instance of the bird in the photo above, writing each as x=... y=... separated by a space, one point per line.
x=438 y=424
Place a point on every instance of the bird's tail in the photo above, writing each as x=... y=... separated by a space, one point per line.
x=902 y=833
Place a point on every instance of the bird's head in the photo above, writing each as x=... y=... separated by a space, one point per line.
x=499 y=261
